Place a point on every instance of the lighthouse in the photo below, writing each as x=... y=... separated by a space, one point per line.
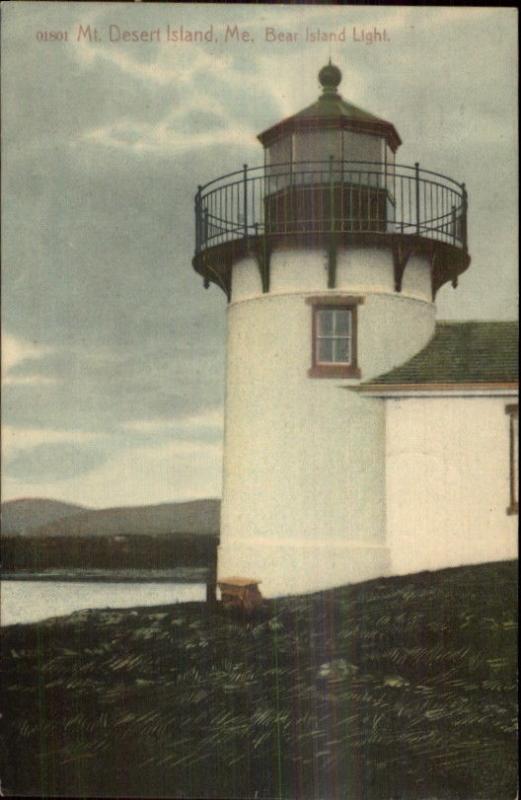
x=330 y=255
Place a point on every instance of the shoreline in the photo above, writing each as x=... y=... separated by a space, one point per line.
x=108 y=577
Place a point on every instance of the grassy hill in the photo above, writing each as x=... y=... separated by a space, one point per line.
x=25 y=514
x=396 y=689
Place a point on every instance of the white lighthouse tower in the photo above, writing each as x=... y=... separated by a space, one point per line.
x=330 y=255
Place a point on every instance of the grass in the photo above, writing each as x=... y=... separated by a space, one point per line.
x=393 y=689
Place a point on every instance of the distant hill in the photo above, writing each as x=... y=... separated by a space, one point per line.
x=192 y=517
x=22 y=516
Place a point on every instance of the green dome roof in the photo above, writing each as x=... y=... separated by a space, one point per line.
x=331 y=110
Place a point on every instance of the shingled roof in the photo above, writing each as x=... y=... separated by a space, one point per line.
x=459 y=353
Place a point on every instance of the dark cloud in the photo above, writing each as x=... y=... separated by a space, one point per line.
x=197 y=122
x=57 y=462
x=103 y=256
x=112 y=290
x=91 y=396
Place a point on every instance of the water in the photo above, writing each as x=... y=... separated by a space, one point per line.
x=32 y=601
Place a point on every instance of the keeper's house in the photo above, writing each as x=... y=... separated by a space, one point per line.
x=451 y=448
x=362 y=438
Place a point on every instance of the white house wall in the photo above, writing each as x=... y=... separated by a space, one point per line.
x=448 y=482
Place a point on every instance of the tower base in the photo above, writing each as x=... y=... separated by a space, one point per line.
x=289 y=567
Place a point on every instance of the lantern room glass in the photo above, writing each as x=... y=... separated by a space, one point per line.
x=318 y=145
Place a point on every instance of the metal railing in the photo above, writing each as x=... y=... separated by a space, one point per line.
x=318 y=197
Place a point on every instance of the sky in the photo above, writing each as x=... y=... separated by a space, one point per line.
x=113 y=354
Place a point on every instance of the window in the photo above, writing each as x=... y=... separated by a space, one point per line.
x=334 y=334
x=513 y=412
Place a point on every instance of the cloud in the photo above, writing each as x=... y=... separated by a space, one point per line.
x=16 y=350
x=30 y=452
x=208 y=421
x=57 y=462
x=207 y=115
x=28 y=380
x=167 y=137
x=14 y=439
x=20 y=362
x=135 y=476
x=91 y=394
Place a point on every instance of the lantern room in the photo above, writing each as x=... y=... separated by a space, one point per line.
x=330 y=179
x=331 y=128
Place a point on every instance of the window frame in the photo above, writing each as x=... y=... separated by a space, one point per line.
x=512 y=410
x=341 y=369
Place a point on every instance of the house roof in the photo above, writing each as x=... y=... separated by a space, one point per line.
x=459 y=353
